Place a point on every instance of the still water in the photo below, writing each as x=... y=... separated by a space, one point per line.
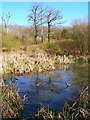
x=49 y=88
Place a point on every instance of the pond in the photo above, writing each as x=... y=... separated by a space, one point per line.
x=49 y=88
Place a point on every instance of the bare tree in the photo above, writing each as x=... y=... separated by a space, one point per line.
x=35 y=16
x=6 y=20
x=42 y=24
x=52 y=17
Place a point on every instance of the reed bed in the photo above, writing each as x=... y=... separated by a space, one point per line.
x=12 y=104
x=20 y=63
x=79 y=110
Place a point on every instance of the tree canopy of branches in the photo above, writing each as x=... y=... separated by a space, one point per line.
x=65 y=33
x=52 y=17
x=80 y=35
x=35 y=16
x=55 y=33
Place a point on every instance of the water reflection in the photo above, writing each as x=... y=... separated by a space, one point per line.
x=50 y=87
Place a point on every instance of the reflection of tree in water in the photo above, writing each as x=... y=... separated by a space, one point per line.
x=50 y=82
x=64 y=67
x=80 y=72
x=37 y=83
x=37 y=79
x=56 y=82
x=49 y=79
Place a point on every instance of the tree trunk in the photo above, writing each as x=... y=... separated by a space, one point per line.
x=36 y=31
x=41 y=26
x=82 y=49
x=42 y=38
x=49 y=32
x=42 y=34
x=7 y=29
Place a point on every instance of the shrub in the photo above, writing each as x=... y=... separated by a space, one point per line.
x=25 y=48
x=52 y=46
x=10 y=42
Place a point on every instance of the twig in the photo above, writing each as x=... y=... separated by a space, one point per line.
x=83 y=92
